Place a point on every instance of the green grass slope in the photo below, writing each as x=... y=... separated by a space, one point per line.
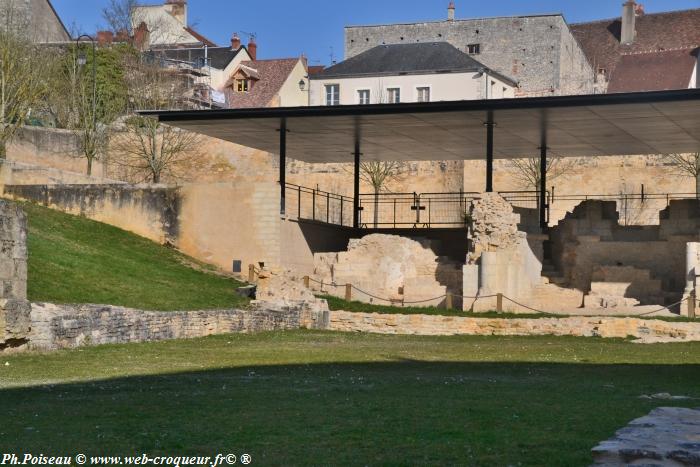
x=77 y=260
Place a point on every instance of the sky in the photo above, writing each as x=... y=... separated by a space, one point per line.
x=287 y=28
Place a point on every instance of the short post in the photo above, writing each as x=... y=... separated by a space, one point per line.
x=448 y=301
x=499 y=303
x=348 y=292
x=251 y=273
x=691 y=304
x=307 y=281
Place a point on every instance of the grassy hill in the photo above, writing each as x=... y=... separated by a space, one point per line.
x=77 y=260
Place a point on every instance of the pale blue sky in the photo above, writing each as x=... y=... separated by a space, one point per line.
x=288 y=28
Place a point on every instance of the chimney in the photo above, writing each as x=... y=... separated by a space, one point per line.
x=629 y=17
x=142 y=37
x=178 y=9
x=235 y=42
x=105 y=37
x=252 y=48
x=451 y=11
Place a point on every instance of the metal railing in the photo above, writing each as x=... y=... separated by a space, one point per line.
x=318 y=205
x=451 y=209
x=415 y=210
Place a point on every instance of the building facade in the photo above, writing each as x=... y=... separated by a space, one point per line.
x=539 y=52
x=168 y=25
x=421 y=72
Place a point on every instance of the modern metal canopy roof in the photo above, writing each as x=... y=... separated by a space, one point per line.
x=585 y=125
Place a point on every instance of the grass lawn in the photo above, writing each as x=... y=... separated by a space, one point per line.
x=76 y=260
x=314 y=398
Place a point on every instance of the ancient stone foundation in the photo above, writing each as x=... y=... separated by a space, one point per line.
x=56 y=327
x=644 y=330
x=14 y=307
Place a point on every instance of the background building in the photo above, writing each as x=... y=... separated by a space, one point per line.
x=419 y=72
x=36 y=19
x=539 y=52
x=643 y=52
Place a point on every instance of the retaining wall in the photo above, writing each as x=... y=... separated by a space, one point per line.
x=645 y=330
x=65 y=326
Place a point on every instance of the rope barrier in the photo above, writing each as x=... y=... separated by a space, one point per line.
x=466 y=297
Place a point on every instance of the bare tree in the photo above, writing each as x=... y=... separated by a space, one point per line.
x=687 y=165
x=527 y=171
x=147 y=148
x=378 y=174
x=22 y=84
x=118 y=15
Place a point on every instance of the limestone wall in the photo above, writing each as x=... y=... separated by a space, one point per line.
x=63 y=326
x=52 y=149
x=214 y=222
x=591 y=236
x=645 y=330
x=14 y=307
x=149 y=211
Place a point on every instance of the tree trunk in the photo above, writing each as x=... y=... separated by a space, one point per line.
x=156 y=177
x=89 y=165
x=376 y=207
x=3 y=150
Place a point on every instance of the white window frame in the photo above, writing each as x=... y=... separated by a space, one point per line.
x=422 y=86
x=325 y=93
x=388 y=95
x=357 y=95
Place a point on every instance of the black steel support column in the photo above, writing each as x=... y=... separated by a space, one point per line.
x=356 y=179
x=283 y=165
x=489 y=152
x=543 y=172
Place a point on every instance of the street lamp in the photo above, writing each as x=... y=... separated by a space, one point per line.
x=82 y=61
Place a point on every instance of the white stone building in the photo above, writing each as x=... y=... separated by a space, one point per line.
x=421 y=72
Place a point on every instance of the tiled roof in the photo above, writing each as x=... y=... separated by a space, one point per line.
x=418 y=58
x=661 y=71
x=200 y=38
x=272 y=73
x=675 y=30
x=315 y=69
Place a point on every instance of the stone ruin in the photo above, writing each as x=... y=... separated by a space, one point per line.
x=14 y=308
x=391 y=267
x=494 y=226
x=283 y=290
x=501 y=258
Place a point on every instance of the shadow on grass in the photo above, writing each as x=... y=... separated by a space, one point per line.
x=401 y=412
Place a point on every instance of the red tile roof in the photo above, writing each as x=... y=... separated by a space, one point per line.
x=273 y=74
x=675 y=30
x=662 y=71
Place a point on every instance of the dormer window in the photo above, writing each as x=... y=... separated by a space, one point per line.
x=242 y=85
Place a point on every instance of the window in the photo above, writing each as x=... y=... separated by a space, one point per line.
x=423 y=94
x=242 y=85
x=474 y=49
x=394 y=95
x=332 y=94
x=363 y=96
